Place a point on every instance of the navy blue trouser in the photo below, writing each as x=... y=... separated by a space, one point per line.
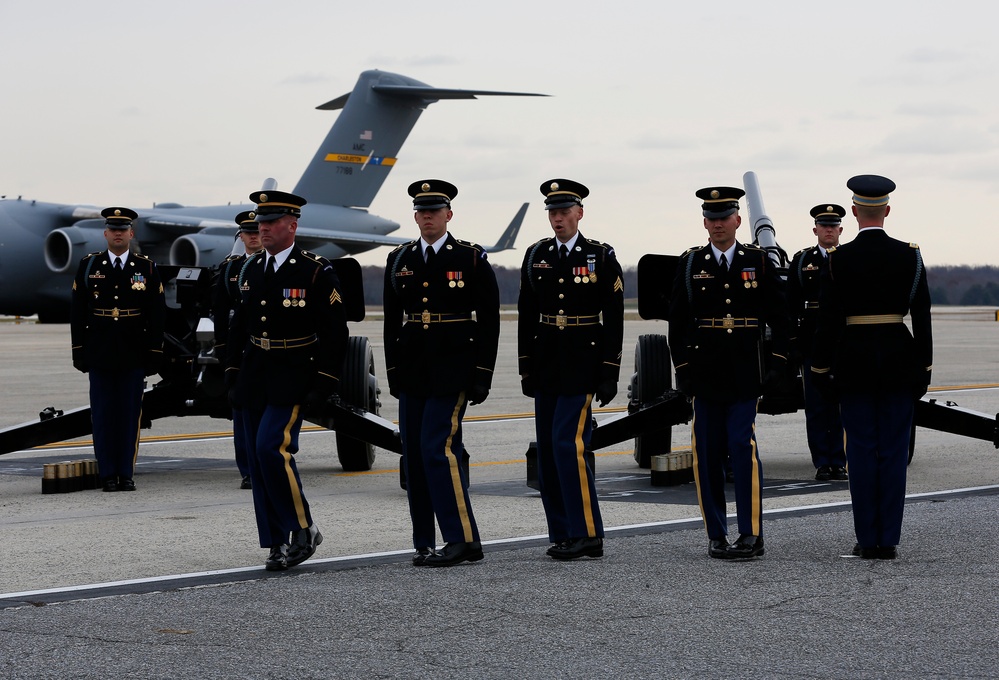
x=239 y=442
x=436 y=481
x=278 y=500
x=822 y=424
x=115 y=412
x=720 y=429
x=568 y=491
x=878 y=427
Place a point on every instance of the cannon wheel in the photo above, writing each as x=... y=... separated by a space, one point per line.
x=653 y=377
x=358 y=387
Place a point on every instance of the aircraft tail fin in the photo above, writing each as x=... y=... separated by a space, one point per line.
x=360 y=149
x=509 y=234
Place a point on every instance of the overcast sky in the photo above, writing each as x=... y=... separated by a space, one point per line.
x=122 y=102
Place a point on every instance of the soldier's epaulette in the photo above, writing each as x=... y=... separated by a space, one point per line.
x=469 y=244
x=318 y=259
x=802 y=251
x=752 y=246
x=913 y=245
x=232 y=257
x=692 y=249
x=142 y=257
x=94 y=254
x=403 y=246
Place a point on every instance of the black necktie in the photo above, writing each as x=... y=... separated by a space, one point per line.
x=430 y=255
x=117 y=263
x=269 y=272
x=563 y=253
x=724 y=263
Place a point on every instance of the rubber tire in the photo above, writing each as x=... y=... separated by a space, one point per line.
x=653 y=378
x=358 y=387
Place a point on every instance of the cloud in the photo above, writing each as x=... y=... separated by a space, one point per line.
x=937 y=140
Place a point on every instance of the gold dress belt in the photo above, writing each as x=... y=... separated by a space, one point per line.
x=428 y=317
x=561 y=320
x=116 y=313
x=729 y=322
x=873 y=319
x=291 y=343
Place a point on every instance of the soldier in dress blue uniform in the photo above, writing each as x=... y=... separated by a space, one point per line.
x=866 y=354
x=286 y=348
x=569 y=336
x=808 y=268
x=441 y=337
x=724 y=294
x=225 y=298
x=117 y=317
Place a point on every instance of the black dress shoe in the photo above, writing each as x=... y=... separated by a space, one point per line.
x=421 y=555
x=110 y=484
x=839 y=473
x=578 y=547
x=747 y=547
x=865 y=553
x=718 y=549
x=246 y=483
x=126 y=485
x=557 y=545
x=887 y=552
x=303 y=545
x=455 y=553
x=278 y=559
x=824 y=473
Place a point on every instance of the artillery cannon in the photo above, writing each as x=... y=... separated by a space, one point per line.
x=654 y=406
x=192 y=380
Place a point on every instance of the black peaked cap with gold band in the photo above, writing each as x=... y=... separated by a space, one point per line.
x=828 y=214
x=119 y=218
x=273 y=205
x=247 y=221
x=719 y=202
x=870 y=190
x=432 y=194
x=563 y=193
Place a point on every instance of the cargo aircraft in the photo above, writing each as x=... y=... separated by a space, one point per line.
x=41 y=244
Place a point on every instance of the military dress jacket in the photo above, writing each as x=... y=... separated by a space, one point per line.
x=225 y=298
x=117 y=318
x=570 y=317
x=804 y=278
x=873 y=282
x=717 y=320
x=288 y=335
x=441 y=321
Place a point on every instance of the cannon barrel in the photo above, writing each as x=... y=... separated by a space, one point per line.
x=760 y=223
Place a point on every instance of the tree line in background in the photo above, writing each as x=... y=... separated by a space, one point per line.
x=961 y=285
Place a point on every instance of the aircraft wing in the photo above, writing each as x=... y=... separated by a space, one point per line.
x=184 y=224
x=348 y=237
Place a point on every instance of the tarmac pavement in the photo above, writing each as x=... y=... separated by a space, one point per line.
x=168 y=581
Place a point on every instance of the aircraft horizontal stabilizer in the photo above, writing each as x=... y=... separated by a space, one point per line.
x=431 y=94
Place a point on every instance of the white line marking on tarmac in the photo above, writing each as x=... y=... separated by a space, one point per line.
x=516 y=539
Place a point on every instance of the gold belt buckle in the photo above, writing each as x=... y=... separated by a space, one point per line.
x=265 y=343
x=425 y=317
x=728 y=323
x=114 y=313
x=561 y=320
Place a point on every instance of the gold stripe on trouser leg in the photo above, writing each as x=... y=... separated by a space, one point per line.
x=135 y=451
x=697 y=464
x=452 y=461
x=296 y=492
x=757 y=498
x=584 y=487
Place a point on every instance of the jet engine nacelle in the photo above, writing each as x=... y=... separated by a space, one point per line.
x=64 y=248
x=200 y=250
